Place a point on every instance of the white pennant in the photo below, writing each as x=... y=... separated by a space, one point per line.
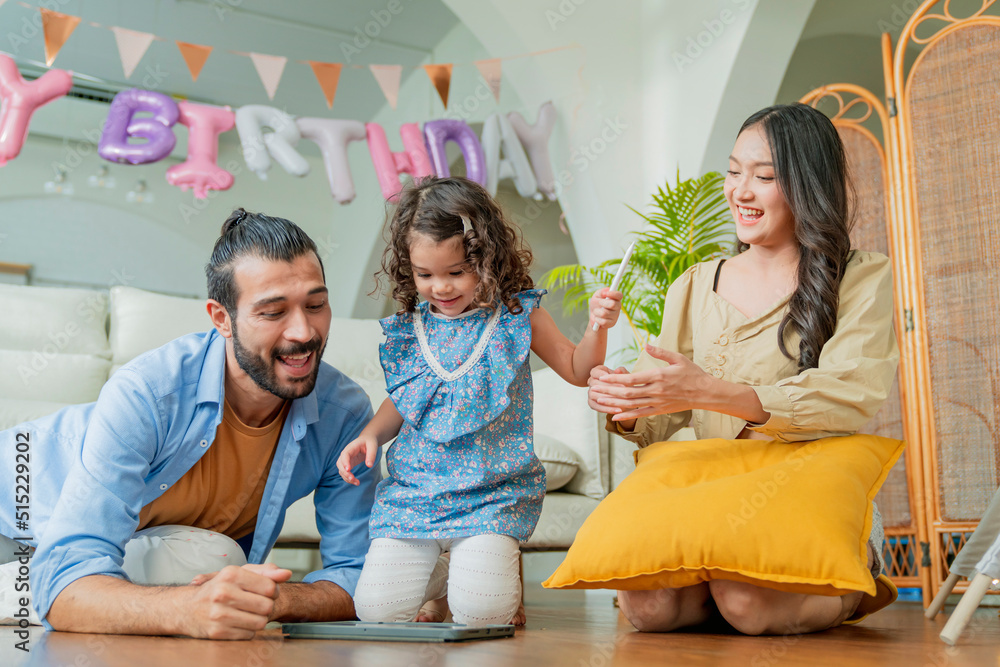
x=132 y=47
x=269 y=69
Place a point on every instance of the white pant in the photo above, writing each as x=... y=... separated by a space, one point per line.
x=483 y=582
x=162 y=555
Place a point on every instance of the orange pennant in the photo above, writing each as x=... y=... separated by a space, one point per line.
x=440 y=76
x=490 y=71
x=195 y=56
x=57 y=27
x=327 y=74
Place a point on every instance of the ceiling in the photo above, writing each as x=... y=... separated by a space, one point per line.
x=322 y=30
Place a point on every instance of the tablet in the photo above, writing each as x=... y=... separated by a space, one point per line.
x=395 y=632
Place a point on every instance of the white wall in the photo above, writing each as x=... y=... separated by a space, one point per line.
x=663 y=85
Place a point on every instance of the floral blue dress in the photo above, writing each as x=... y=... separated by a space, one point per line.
x=463 y=463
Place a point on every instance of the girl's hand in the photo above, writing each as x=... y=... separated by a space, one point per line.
x=364 y=448
x=597 y=389
x=605 y=306
x=682 y=385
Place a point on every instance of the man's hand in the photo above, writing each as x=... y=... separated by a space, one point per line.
x=232 y=603
x=364 y=448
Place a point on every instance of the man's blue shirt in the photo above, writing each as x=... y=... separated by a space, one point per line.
x=95 y=466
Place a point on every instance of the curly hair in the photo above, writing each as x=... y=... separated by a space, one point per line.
x=494 y=249
x=811 y=169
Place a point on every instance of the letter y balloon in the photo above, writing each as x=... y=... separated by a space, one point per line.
x=19 y=101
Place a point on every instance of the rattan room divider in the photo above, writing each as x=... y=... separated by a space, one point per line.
x=941 y=214
x=875 y=223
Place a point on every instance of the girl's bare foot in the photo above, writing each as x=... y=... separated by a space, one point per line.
x=519 y=616
x=433 y=611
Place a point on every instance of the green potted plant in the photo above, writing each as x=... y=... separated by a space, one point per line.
x=690 y=223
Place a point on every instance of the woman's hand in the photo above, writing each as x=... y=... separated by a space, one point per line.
x=682 y=385
x=605 y=306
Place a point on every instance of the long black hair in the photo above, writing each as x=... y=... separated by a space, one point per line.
x=811 y=168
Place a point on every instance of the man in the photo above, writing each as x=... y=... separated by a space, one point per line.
x=201 y=446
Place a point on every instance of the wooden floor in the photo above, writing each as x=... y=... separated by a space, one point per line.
x=562 y=630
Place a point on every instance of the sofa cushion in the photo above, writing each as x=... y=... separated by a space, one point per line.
x=560 y=461
x=58 y=378
x=562 y=516
x=561 y=412
x=54 y=320
x=14 y=411
x=53 y=349
x=143 y=321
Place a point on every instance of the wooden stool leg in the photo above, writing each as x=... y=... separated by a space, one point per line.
x=937 y=604
x=966 y=606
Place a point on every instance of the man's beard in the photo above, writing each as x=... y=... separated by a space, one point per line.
x=264 y=375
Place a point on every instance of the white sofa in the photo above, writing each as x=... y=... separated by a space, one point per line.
x=59 y=345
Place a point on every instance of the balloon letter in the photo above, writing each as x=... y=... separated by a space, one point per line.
x=20 y=99
x=498 y=133
x=536 y=142
x=122 y=124
x=412 y=160
x=200 y=171
x=259 y=148
x=439 y=132
x=332 y=137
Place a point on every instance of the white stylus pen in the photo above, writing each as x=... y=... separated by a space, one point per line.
x=617 y=280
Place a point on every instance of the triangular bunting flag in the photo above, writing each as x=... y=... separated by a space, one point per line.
x=195 y=56
x=269 y=69
x=327 y=74
x=388 y=77
x=440 y=76
x=490 y=70
x=132 y=46
x=57 y=27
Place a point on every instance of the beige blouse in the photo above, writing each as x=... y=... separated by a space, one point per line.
x=856 y=366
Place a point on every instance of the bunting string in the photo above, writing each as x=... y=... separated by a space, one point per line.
x=133 y=45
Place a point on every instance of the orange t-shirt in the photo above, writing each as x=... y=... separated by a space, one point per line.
x=223 y=490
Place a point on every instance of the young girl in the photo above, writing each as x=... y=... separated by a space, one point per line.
x=463 y=476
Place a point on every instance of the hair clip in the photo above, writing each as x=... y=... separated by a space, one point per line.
x=466 y=225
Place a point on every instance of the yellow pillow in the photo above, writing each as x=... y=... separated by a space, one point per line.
x=790 y=516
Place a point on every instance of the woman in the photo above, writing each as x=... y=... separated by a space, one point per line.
x=789 y=340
